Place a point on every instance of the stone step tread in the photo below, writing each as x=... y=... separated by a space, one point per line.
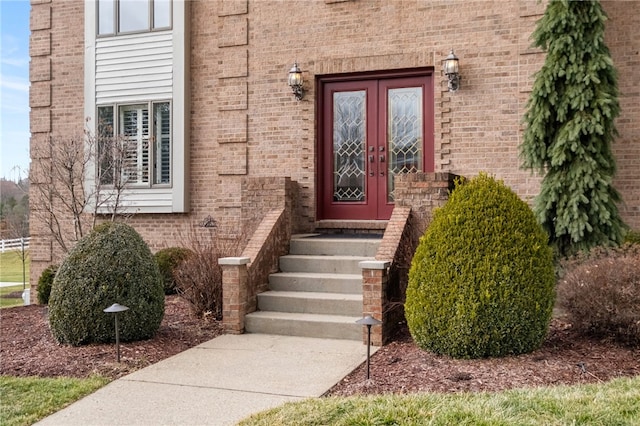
x=311 y=295
x=319 y=275
x=329 y=326
x=334 y=246
x=339 y=240
x=338 y=319
x=328 y=256
x=322 y=282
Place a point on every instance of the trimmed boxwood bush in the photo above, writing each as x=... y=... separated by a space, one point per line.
x=44 y=284
x=168 y=260
x=482 y=280
x=110 y=265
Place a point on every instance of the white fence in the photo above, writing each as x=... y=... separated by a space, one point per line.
x=15 y=244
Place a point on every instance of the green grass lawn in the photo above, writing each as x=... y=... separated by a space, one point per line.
x=11 y=271
x=613 y=403
x=25 y=400
x=7 y=302
x=11 y=266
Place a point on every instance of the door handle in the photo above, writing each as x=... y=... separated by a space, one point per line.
x=382 y=158
x=372 y=158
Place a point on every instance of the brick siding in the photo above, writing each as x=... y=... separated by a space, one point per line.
x=246 y=123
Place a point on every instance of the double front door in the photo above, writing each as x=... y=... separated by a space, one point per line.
x=370 y=131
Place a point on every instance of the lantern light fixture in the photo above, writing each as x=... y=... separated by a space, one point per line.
x=450 y=66
x=296 y=81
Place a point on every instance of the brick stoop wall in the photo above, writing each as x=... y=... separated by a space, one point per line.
x=384 y=282
x=269 y=204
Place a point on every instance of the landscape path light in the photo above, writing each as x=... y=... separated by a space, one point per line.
x=115 y=309
x=368 y=321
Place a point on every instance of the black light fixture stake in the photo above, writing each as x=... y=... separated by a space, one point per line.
x=115 y=309
x=368 y=321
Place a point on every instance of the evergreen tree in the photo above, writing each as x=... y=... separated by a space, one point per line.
x=570 y=128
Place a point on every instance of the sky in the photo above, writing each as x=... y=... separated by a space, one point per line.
x=14 y=88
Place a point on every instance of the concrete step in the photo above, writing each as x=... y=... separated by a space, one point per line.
x=305 y=325
x=322 y=264
x=318 y=292
x=311 y=303
x=328 y=245
x=316 y=282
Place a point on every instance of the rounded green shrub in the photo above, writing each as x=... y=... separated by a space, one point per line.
x=110 y=265
x=168 y=260
x=481 y=282
x=45 y=282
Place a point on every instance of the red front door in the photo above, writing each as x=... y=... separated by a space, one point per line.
x=370 y=131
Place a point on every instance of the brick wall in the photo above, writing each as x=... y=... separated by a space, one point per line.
x=267 y=203
x=56 y=100
x=246 y=123
x=623 y=39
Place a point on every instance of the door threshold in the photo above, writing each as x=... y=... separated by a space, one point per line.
x=351 y=225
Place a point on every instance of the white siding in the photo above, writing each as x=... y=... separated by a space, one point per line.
x=142 y=200
x=135 y=67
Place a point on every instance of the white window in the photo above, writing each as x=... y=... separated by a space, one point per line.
x=140 y=153
x=136 y=92
x=129 y=16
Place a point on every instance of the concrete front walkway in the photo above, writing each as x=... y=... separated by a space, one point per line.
x=219 y=382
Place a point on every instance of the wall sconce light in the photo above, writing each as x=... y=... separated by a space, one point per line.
x=295 y=81
x=450 y=68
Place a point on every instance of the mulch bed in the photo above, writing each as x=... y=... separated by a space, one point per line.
x=27 y=348
x=564 y=358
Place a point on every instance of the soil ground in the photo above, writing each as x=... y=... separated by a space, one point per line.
x=27 y=348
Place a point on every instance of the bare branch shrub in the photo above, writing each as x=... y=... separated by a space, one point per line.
x=74 y=178
x=59 y=197
x=199 y=277
x=600 y=292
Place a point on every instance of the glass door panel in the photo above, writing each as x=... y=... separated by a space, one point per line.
x=349 y=146
x=404 y=134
